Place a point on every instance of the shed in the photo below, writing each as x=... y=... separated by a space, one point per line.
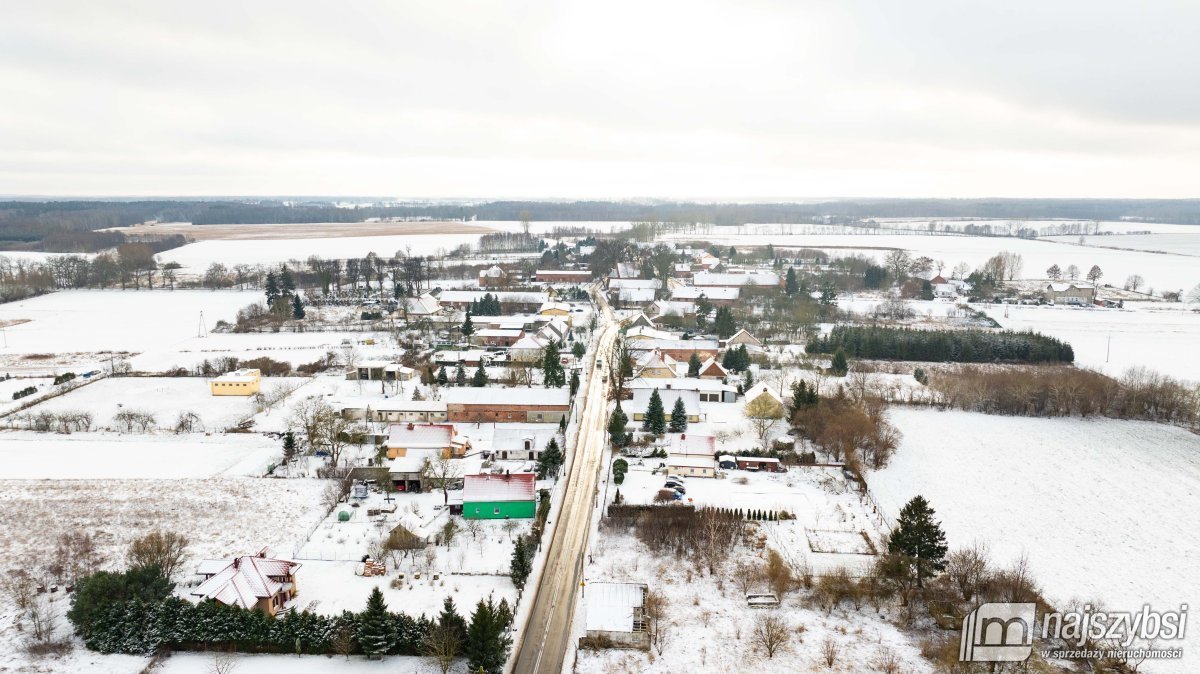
x=616 y=612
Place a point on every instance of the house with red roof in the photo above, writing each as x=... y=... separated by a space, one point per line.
x=253 y=582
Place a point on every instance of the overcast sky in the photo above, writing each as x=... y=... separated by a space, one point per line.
x=613 y=98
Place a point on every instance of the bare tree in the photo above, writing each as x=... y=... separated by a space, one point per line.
x=770 y=633
x=1072 y=272
x=1133 y=282
x=188 y=422
x=967 y=568
x=763 y=413
x=898 y=264
x=887 y=661
x=164 y=549
x=223 y=662
x=441 y=472
x=655 y=609
x=441 y=645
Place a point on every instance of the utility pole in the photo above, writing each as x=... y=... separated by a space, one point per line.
x=200 y=331
x=1108 y=349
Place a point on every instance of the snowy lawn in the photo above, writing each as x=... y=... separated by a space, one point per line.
x=1104 y=509
x=28 y=455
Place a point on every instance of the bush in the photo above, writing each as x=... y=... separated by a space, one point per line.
x=958 y=346
x=920 y=376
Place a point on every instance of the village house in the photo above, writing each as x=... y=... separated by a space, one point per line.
x=635 y=296
x=493 y=277
x=626 y=270
x=614 y=613
x=521 y=405
x=469 y=358
x=500 y=496
x=663 y=308
x=741 y=337
x=1078 y=294
x=440 y=438
x=243 y=382
x=761 y=464
x=691 y=466
x=716 y=296
x=407 y=473
x=510 y=301
x=636 y=406
x=381 y=370
x=690 y=444
x=709 y=390
x=711 y=369
x=421 y=306
x=656 y=365
x=497 y=337
x=559 y=310
x=562 y=275
x=762 y=389
x=707 y=279
x=395 y=409
x=252 y=582
x=521 y=443
x=680 y=349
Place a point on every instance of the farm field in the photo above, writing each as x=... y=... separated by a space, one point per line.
x=1103 y=508
x=1178 y=243
x=1162 y=272
x=109 y=456
x=195 y=257
x=1158 y=336
x=73 y=326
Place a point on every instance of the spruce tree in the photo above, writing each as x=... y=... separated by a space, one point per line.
x=468 y=328
x=655 y=420
x=442 y=379
x=919 y=538
x=487 y=637
x=693 y=366
x=460 y=375
x=375 y=636
x=289 y=446
x=578 y=349
x=748 y=381
x=791 y=286
x=553 y=375
x=297 y=307
x=679 y=417
x=840 y=365
x=520 y=566
x=550 y=460
x=616 y=425
x=574 y=383
x=480 y=378
x=287 y=285
x=450 y=618
x=723 y=324
x=272 y=288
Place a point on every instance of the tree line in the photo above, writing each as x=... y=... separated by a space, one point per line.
x=959 y=346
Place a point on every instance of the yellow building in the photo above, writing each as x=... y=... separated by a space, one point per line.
x=244 y=382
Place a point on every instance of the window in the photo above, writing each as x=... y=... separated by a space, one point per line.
x=496 y=510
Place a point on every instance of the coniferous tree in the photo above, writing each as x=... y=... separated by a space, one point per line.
x=919 y=538
x=562 y=424
x=289 y=446
x=442 y=379
x=375 y=636
x=840 y=365
x=655 y=420
x=693 y=366
x=451 y=619
x=616 y=425
x=297 y=307
x=553 y=375
x=468 y=328
x=480 y=378
x=487 y=637
x=520 y=565
x=272 y=288
x=460 y=375
x=574 y=383
x=679 y=417
x=723 y=324
x=748 y=381
x=578 y=349
x=550 y=460
x=791 y=286
x=287 y=284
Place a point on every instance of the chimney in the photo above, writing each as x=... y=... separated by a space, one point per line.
x=683 y=436
x=411 y=426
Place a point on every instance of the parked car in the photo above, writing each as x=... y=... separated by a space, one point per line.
x=676 y=478
x=679 y=489
x=671 y=484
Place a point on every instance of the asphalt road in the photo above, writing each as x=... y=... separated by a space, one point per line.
x=548 y=630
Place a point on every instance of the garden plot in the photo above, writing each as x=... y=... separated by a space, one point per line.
x=103 y=456
x=819 y=498
x=709 y=628
x=1161 y=337
x=164 y=397
x=1095 y=504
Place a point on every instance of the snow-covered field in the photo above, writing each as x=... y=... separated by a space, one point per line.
x=91 y=321
x=110 y=456
x=1104 y=509
x=1178 y=243
x=1162 y=272
x=1159 y=336
x=164 y=397
x=196 y=257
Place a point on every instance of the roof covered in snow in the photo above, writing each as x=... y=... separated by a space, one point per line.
x=610 y=606
x=244 y=580
x=493 y=488
x=468 y=395
x=693 y=293
x=707 y=278
x=433 y=436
